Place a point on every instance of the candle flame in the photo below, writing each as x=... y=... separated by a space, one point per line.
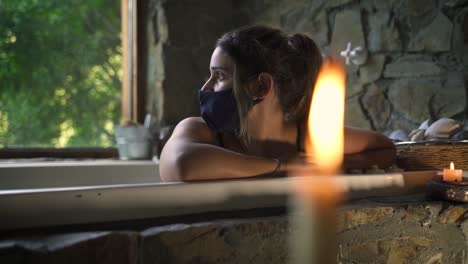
x=452 y=167
x=325 y=138
x=319 y=196
x=326 y=118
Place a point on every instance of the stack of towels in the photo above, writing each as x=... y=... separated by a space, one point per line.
x=442 y=129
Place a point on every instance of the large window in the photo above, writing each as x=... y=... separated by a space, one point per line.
x=60 y=73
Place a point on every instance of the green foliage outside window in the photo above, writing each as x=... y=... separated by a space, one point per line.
x=60 y=72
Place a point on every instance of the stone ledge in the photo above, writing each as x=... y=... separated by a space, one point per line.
x=369 y=231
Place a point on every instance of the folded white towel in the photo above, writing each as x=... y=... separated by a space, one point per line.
x=443 y=128
x=417 y=134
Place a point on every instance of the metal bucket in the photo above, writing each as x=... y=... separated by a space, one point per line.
x=133 y=142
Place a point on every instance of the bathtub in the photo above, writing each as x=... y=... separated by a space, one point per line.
x=37 y=174
x=51 y=193
x=40 y=194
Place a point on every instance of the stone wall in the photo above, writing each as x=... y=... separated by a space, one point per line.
x=180 y=38
x=415 y=60
x=385 y=230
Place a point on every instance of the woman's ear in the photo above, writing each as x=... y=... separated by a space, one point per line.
x=261 y=86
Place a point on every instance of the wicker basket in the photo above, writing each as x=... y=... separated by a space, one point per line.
x=432 y=155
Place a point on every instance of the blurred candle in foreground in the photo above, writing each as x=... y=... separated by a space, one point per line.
x=317 y=194
x=452 y=174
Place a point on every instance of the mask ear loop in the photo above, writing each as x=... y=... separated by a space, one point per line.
x=256 y=101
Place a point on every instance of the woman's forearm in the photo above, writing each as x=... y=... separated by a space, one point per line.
x=383 y=158
x=361 y=140
x=194 y=161
x=364 y=149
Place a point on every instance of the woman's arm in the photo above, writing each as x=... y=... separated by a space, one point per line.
x=191 y=154
x=365 y=148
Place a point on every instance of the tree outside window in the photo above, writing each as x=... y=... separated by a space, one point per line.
x=60 y=73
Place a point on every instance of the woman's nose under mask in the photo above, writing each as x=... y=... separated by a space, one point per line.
x=219 y=110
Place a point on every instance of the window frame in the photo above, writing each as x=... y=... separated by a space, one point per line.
x=133 y=88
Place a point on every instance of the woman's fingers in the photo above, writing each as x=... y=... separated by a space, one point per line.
x=300 y=167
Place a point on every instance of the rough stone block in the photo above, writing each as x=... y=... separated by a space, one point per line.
x=272 y=13
x=377 y=106
x=371 y=71
x=436 y=37
x=453 y=214
x=315 y=26
x=411 y=68
x=294 y=16
x=420 y=214
x=454 y=3
x=352 y=218
x=464 y=228
x=92 y=247
x=337 y=3
x=254 y=241
x=414 y=97
x=369 y=231
x=383 y=33
x=353 y=88
x=450 y=62
x=396 y=250
x=420 y=7
x=347 y=28
x=354 y=115
x=377 y=5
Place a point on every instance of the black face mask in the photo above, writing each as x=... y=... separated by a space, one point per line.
x=219 y=110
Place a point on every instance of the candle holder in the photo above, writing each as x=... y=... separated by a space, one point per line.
x=437 y=188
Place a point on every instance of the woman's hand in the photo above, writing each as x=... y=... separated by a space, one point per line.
x=302 y=165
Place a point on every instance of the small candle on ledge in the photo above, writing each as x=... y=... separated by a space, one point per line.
x=452 y=175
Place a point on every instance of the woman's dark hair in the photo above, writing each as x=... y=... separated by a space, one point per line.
x=292 y=60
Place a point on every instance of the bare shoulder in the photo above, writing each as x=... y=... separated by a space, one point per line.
x=194 y=129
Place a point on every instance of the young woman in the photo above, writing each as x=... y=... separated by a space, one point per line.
x=253 y=112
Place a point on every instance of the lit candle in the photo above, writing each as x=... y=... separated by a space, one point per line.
x=452 y=174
